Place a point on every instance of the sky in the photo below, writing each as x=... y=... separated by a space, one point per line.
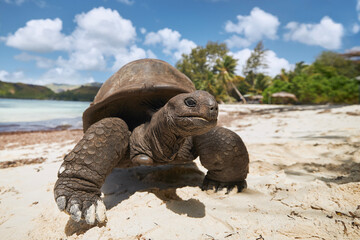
x=77 y=41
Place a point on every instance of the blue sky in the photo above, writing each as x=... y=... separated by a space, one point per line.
x=81 y=41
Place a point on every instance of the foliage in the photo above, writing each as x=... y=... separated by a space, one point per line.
x=256 y=61
x=317 y=88
x=329 y=79
x=24 y=91
x=225 y=70
x=256 y=81
x=83 y=93
x=27 y=91
x=335 y=63
x=211 y=69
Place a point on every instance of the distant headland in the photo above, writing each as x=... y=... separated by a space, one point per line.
x=53 y=91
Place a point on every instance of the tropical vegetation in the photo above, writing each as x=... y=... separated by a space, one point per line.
x=331 y=78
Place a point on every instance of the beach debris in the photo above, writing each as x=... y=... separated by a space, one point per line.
x=21 y=162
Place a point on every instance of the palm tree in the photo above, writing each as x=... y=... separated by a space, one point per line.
x=225 y=70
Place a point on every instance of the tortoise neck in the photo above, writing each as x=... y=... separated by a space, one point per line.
x=156 y=139
x=161 y=134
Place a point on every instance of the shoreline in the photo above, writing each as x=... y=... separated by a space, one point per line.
x=39 y=131
x=12 y=140
x=46 y=99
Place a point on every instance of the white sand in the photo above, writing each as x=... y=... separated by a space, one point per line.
x=303 y=184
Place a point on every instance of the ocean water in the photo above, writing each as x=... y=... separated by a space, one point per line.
x=33 y=115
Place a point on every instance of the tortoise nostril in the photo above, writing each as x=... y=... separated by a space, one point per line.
x=213 y=109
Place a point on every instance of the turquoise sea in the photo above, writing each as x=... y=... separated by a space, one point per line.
x=33 y=115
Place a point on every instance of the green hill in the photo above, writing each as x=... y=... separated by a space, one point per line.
x=24 y=91
x=83 y=93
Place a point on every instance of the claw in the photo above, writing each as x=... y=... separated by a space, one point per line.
x=75 y=212
x=61 y=203
x=242 y=185
x=229 y=189
x=209 y=184
x=218 y=187
x=90 y=215
x=205 y=184
x=100 y=211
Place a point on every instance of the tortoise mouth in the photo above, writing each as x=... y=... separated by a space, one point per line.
x=200 y=118
x=194 y=125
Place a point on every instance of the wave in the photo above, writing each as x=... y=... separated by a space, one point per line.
x=46 y=125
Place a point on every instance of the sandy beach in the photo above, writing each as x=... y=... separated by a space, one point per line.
x=303 y=184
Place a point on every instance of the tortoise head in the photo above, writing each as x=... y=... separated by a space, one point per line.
x=191 y=114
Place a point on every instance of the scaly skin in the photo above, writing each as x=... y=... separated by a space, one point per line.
x=224 y=154
x=83 y=172
x=170 y=127
x=179 y=132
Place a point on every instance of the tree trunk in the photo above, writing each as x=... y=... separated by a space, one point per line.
x=238 y=92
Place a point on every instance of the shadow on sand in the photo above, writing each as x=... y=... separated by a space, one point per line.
x=162 y=181
x=346 y=172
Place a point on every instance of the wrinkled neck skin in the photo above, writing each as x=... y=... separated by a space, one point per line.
x=157 y=139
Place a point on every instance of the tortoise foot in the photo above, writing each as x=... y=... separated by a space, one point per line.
x=75 y=197
x=209 y=184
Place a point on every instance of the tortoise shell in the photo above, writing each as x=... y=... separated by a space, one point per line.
x=136 y=91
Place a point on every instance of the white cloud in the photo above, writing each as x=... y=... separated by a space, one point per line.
x=39 y=3
x=42 y=35
x=327 y=34
x=171 y=41
x=255 y=27
x=103 y=29
x=16 y=2
x=92 y=59
x=14 y=77
x=99 y=33
x=127 y=2
x=54 y=75
x=63 y=75
x=142 y=30
x=102 y=40
x=275 y=64
x=353 y=49
x=134 y=53
x=241 y=56
x=355 y=28
x=41 y=62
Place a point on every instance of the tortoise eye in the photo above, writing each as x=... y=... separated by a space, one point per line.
x=190 y=102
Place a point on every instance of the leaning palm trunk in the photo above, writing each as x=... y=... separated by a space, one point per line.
x=238 y=92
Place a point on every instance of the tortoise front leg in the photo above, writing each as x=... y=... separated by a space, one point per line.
x=225 y=156
x=83 y=172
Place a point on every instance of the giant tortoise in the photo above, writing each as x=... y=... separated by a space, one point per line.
x=147 y=113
